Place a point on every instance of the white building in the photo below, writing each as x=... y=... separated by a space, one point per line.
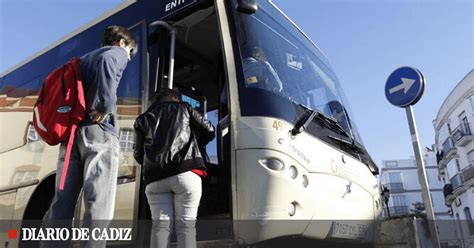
x=401 y=178
x=455 y=153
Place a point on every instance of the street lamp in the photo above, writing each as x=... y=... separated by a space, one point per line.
x=386 y=196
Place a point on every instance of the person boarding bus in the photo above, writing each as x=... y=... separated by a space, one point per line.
x=168 y=139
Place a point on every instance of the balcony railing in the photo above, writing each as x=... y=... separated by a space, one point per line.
x=449 y=197
x=457 y=181
x=448 y=190
x=448 y=151
x=441 y=162
x=462 y=177
x=462 y=134
x=448 y=145
x=398 y=210
x=468 y=173
x=395 y=187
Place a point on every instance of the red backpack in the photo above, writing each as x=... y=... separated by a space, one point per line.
x=60 y=107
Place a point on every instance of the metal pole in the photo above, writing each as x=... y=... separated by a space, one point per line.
x=173 y=33
x=422 y=177
x=388 y=209
x=171 y=65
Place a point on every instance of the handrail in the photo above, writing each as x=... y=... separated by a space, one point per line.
x=173 y=33
x=460 y=131
x=448 y=144
x=462 y=176
x=468 y=172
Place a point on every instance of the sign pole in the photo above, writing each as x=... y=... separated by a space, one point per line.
x=422 y=177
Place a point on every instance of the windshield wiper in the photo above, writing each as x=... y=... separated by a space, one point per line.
x=329 y=122
x=349 y=144
x=302 y=123
x=333 y=124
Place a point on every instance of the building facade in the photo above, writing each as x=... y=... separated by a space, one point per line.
x=401 y=178
x=454 y=143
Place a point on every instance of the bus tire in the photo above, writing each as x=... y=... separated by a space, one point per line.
x=41 y=199
x=37 y=206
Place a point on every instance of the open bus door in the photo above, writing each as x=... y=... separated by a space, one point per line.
x=198 y=77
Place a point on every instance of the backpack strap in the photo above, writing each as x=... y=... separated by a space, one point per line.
x=67 y=157
x=70 y=143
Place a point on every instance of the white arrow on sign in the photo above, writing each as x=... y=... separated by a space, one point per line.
x=405 y=86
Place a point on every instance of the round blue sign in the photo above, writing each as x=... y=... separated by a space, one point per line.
x=404 y=86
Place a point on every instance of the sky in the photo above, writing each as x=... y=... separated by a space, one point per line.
x=364 y=41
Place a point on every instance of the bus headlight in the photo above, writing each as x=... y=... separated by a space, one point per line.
x=272 y=163
x=293 y=172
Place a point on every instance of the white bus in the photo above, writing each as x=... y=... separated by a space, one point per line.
x=288 y=160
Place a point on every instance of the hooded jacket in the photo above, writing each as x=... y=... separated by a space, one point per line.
x=167 y=139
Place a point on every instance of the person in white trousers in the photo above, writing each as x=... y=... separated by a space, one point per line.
x=168 y=137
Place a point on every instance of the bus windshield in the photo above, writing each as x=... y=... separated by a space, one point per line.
x=279 y=62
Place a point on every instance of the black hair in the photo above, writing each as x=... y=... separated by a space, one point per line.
x=114 y=34
x=254 y=51
x=164 y=93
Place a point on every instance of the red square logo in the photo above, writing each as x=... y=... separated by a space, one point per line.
x=12 y=234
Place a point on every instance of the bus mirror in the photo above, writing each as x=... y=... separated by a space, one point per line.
x=247 y=6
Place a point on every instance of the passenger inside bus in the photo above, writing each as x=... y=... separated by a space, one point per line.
x=258 y=72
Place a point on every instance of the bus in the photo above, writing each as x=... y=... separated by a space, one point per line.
x=287 y=160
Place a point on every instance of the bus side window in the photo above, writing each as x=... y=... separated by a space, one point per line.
x=211 y=148
x=19 y=95
x=129 y=106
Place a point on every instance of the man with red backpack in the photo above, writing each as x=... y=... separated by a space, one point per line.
x=93 y=163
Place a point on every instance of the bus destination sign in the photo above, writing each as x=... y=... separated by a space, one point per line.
x=170 y=7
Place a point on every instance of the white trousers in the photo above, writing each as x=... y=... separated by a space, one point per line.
x=174 y=200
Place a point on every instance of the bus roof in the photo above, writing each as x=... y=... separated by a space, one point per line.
x=296 y=26
x=106 y=15
x=102 y=17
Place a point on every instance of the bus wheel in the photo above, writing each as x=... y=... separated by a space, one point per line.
x=37 y=206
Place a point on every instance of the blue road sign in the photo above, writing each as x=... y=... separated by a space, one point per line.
x=404 y=86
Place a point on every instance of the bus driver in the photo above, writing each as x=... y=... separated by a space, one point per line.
x=259 y=73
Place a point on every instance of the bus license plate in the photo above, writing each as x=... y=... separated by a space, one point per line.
x=348 y=230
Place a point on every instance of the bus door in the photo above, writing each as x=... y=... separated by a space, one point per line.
x=199 y=80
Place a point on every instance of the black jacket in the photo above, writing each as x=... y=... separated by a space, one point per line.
x=166 y=139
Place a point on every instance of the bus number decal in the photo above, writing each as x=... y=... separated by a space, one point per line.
x=278 y=125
